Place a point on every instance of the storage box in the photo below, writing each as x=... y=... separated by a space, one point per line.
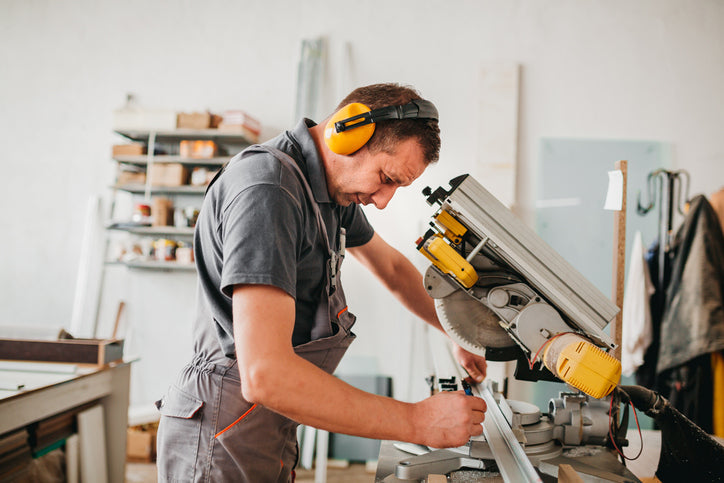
x=131 y=177
x=197 y=149
x=168 y=174
x=215 y=121
x=134 y=149
x=238 y=121
x=141 y=443
x=193 y=120
x=82 y=351
x=161 y=212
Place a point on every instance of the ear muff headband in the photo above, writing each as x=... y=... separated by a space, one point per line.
x=353 y=125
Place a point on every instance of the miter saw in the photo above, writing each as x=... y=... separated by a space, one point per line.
x=501 y=292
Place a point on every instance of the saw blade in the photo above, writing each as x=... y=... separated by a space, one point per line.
x=469 y=323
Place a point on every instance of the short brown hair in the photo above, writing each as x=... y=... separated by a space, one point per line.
x=389 y=133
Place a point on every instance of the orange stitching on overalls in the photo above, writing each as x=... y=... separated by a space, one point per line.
x=235 y=422
x=341 y=312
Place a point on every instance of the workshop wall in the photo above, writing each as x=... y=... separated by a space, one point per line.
x=645 y=70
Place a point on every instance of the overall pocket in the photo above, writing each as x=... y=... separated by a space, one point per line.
x=255 y=446
x=178 y=435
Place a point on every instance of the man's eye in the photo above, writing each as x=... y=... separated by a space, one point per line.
x=387 y=179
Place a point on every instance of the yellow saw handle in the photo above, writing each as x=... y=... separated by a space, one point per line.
x=444 y=257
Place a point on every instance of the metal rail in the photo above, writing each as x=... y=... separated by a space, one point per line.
x=514 y=465
x=512 y=461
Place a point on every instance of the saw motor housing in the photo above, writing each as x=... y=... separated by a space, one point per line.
x=501 y=292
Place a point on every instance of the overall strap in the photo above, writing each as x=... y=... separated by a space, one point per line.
x=284 y=157
x=334 y=257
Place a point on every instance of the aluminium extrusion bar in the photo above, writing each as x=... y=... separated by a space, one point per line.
x=514 y=465
x=512 y=461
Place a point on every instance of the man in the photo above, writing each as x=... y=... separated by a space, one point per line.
x=272 y=323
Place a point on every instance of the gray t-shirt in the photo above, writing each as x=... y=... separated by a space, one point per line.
x=256 y=226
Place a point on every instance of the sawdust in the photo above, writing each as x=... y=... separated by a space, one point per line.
x=472 y=476
x=582 y=451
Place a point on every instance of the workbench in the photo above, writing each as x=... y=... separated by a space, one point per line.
x=46 y=394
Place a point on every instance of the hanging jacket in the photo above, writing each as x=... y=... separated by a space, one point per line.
x=693 y=318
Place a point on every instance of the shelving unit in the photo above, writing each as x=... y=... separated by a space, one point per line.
x=162 y=148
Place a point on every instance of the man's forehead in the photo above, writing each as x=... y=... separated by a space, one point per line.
x=407 y=164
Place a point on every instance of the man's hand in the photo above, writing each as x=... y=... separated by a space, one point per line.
x=448 y=419
x=474 y=364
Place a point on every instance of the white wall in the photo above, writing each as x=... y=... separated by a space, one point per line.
x=648 y=69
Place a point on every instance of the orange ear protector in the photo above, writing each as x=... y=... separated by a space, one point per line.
x=353 y=125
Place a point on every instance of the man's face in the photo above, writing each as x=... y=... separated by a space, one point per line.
x=368 y=178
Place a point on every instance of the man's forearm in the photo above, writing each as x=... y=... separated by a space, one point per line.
x=274 y=376
x=303 y=392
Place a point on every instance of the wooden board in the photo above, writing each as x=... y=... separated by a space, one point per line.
x=81 y=351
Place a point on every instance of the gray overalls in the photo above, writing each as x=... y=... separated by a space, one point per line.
x=209 y=432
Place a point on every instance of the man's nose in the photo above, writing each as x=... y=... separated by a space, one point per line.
x=383 y=196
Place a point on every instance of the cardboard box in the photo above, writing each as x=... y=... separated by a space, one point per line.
x=168 y=174
x=237 y=121
x=193 y=120
x=141 y=443
x=215 y=121
x=131 y=177
x=197 y=149
x=134 y=149
x=161 y=211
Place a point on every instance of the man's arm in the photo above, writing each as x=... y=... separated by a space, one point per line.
x=401 y=278
x=274 y=376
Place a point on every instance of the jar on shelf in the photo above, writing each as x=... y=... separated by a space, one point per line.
x=141 y=214
x=164 y=250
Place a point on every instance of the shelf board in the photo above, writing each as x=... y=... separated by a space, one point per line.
x=158 y=265
x=192 y=134
x=142 y=160
x=181 y=190
x=155 y=230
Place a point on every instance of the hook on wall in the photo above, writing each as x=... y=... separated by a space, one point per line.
x=661 y=182
x=665 y=189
